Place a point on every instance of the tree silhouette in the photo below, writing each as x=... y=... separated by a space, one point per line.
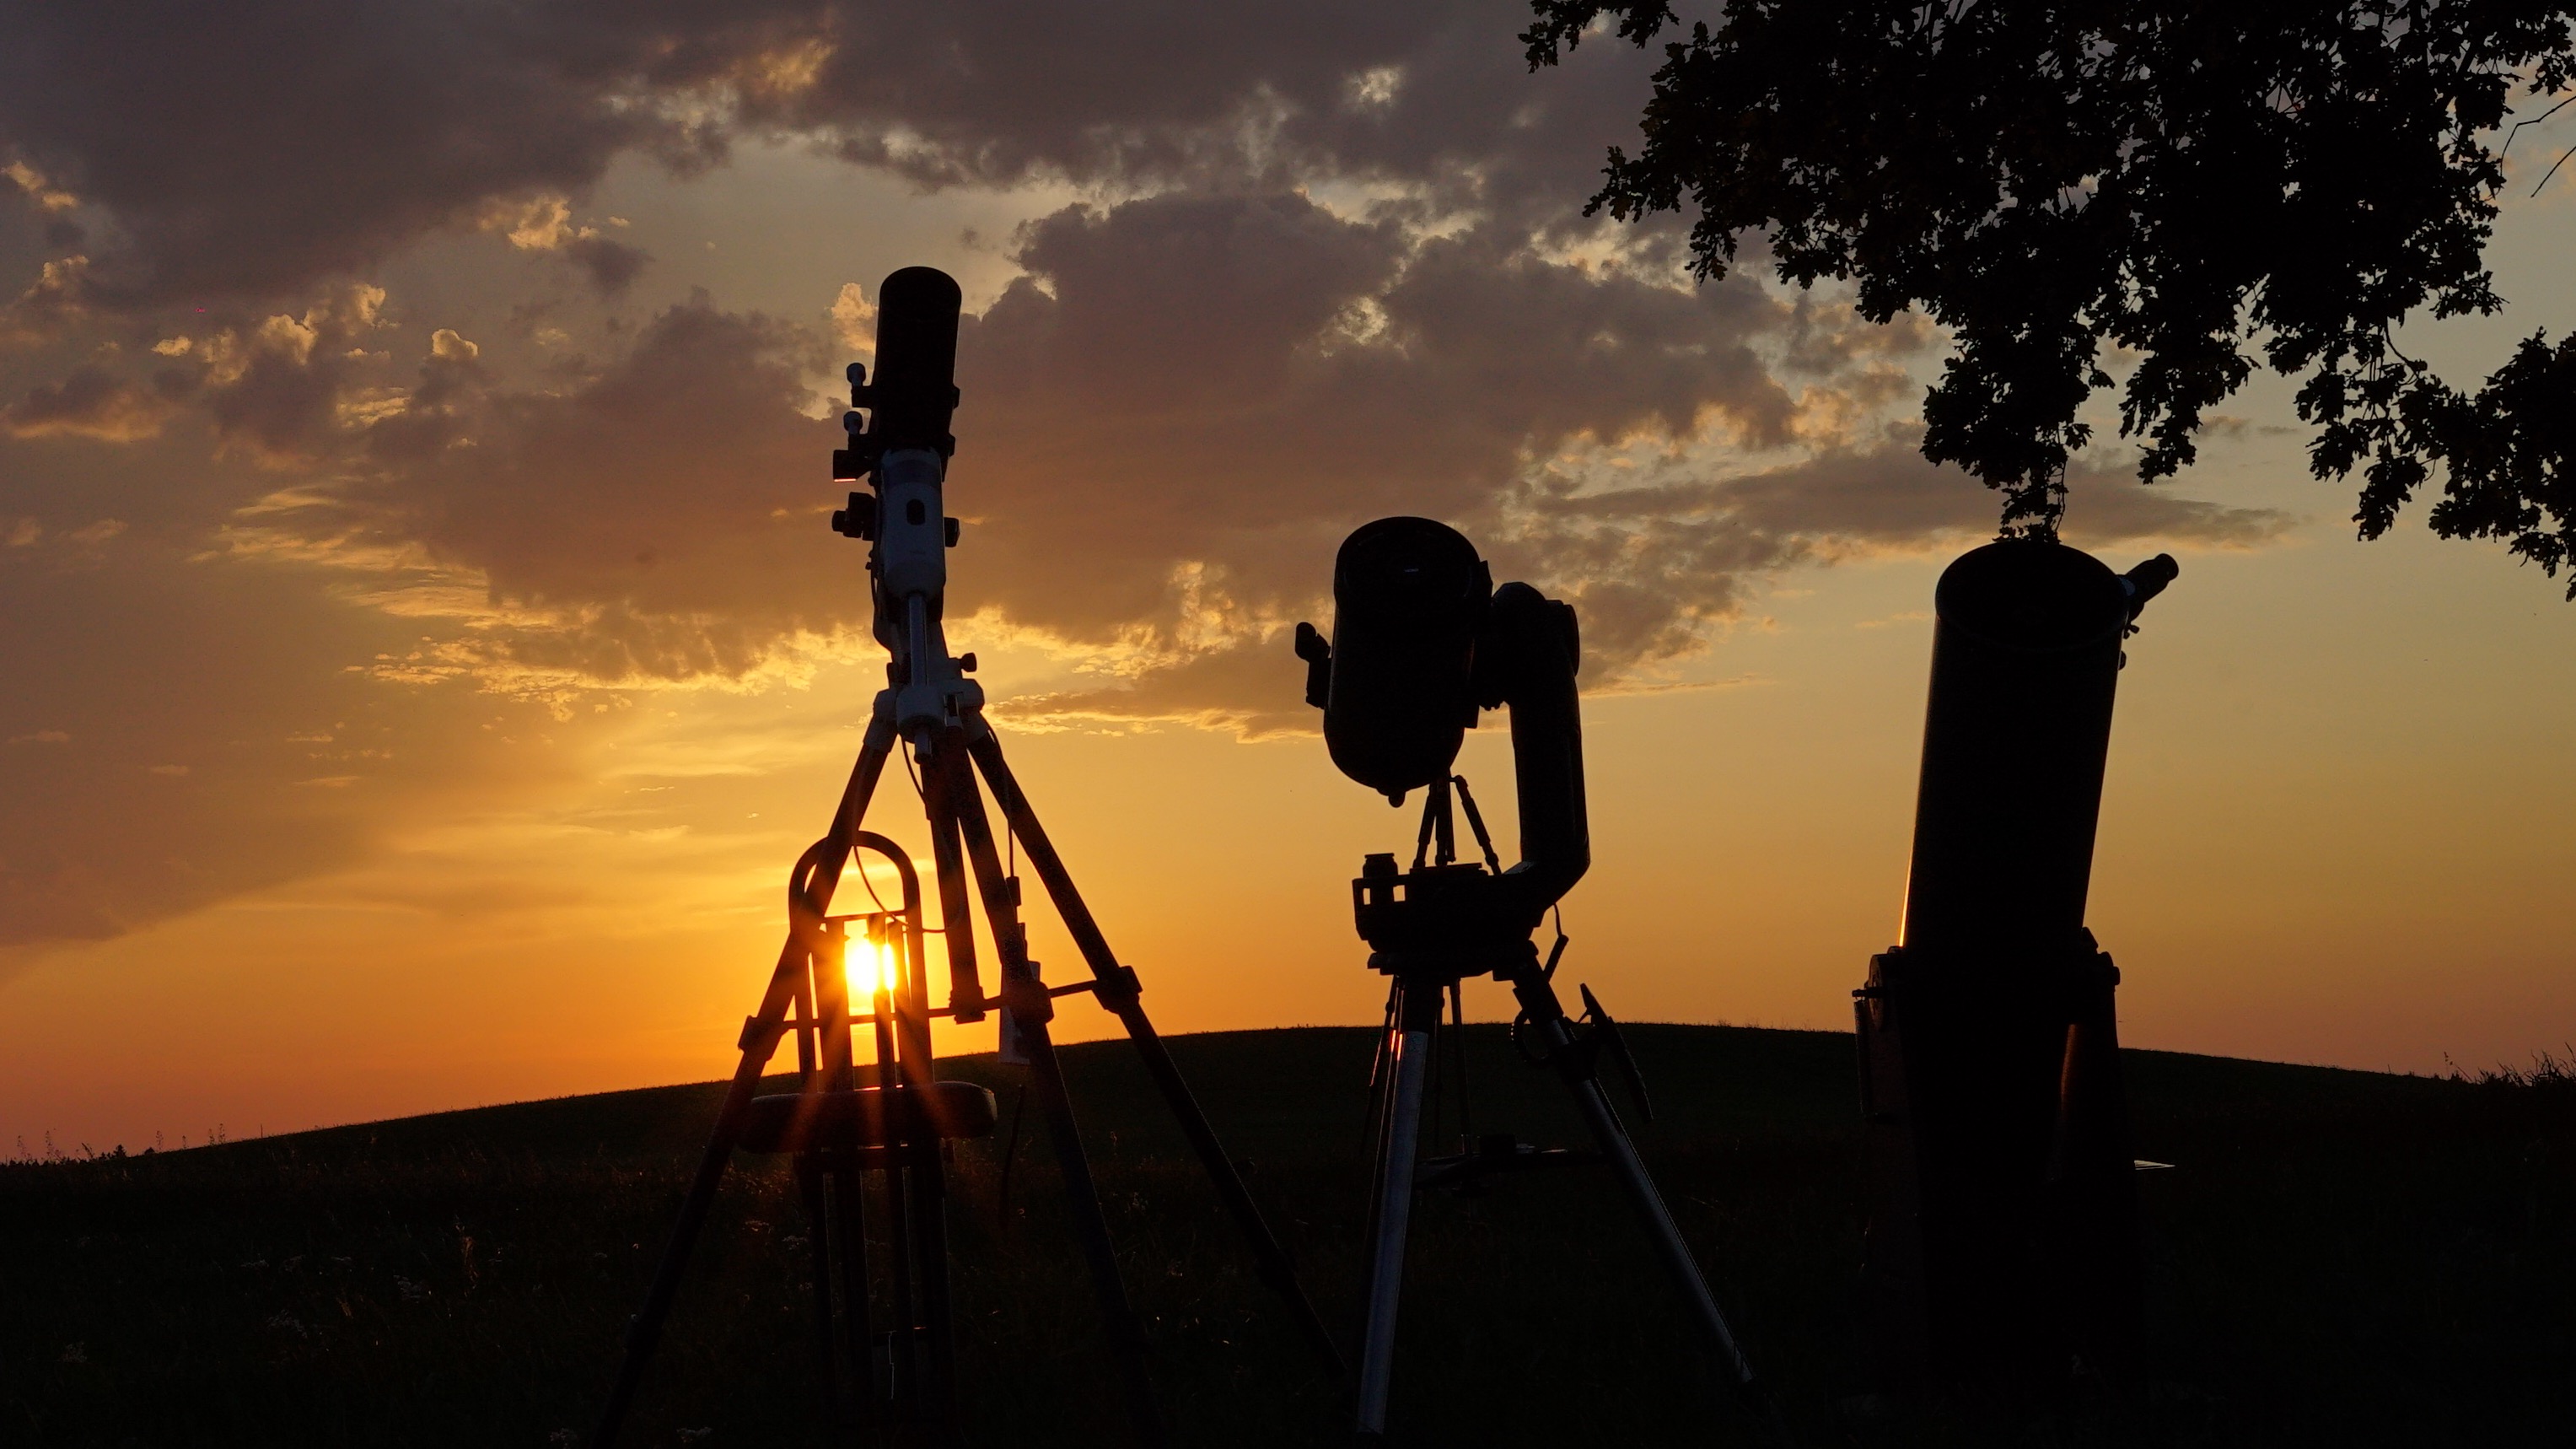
x=2197 y=183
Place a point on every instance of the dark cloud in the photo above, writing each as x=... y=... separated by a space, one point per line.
x=611 y=266
x=254 y=149
x=1170 y=422
x=1191 y=386
x=51 y=305
x=1651 y=568
x=660 y=520
x=90 y=403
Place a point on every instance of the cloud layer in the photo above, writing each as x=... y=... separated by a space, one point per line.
x=1327 y=264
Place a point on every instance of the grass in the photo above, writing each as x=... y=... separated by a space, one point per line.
x=2337 y=1257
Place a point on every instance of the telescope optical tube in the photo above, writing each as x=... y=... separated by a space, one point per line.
x=2002 y=1244
x=1409 y=596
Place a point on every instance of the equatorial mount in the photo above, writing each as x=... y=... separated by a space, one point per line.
x=839 y=1131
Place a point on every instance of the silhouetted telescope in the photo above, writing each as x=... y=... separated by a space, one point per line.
x=2003 y=1241
x=1421 y=641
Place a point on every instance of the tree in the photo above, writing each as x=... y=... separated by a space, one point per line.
x=2192 y=181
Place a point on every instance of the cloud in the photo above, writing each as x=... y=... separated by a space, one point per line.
x=545 y=224
x=51 y=305
x=278 y=386
x=659 y=521
x=1330 y=266
x=1653 y=567
x=151 y=766
x=90 y=403
x=1170 y=422
x=1214 y=388
x=611 y=266
x=251 y=153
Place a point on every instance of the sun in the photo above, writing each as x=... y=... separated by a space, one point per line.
x=889 y=966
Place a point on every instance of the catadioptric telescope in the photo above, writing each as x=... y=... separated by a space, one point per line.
x=868 y=1157
x=1422 y=640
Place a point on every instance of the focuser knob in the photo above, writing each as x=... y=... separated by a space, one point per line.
x=859 y=520
x=855 y=461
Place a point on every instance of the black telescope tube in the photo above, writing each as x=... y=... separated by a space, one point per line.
x=1409 y=595
x=915 y=392
x=2025 y=657
x=2004 y=1235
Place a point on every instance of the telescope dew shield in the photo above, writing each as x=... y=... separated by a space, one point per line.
x=915 y=392
x=1409 y=596
x=2003 y=1238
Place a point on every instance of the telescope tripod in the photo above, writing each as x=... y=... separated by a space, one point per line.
x=837 y=1131
x=1430 y=935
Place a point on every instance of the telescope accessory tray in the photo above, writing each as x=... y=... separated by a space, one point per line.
x=867 y=1117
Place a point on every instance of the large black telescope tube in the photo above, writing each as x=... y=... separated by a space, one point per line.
x=1409 y=596
x=2003 y=1240
x=2025 y=657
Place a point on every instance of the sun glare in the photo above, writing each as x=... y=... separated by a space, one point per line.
x=889 y=967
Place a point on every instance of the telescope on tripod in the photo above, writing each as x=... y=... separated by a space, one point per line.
x=884 y=1330
x=1421 y=642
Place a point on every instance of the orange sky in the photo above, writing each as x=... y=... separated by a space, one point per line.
x=427 y=654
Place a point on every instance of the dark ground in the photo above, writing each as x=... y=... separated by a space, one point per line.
x=2337 y=1258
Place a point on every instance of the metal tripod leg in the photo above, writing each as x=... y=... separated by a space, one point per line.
x=1046 y=1070
x=827 y=1367
x=1575 y=1067
x=1117 y=989
x=1418 y=1015
x=848 y=1220
x=760 y=1037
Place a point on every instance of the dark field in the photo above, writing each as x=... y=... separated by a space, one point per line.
x=2337 y=1258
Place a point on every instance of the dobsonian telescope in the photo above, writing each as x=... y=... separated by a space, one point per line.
x=1421 y=641
x=885 y=1370
x=2003 y=1242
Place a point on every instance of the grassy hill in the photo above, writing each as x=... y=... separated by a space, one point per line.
x=2336 y=1258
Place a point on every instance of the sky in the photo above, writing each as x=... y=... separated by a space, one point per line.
x=427 y=652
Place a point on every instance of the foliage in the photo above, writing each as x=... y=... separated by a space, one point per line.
x=2185 y=180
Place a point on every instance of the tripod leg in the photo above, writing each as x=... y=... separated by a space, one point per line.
x=1118 y=990
x=818 y=1221
x=759 y=1039
x=858 y=1349
x=1392 y=1214
x=1574 y=1065
x=1046 y=1071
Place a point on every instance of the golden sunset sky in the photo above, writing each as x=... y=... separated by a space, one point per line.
x=426 y=652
